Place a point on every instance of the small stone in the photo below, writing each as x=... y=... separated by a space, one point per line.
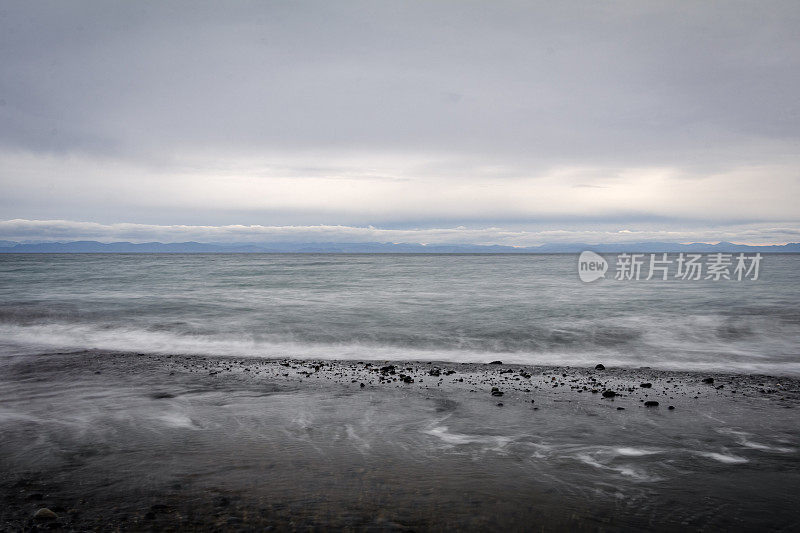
x=362 y=385
x=646 y=385
x=708 y=380
x=609 y=394
x=599 y=366
x=671 y=407
x=500 y=404
x=496 y=363
x=651 y=403
x=45 y=514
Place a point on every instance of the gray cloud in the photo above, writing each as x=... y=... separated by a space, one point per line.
x=134 y=110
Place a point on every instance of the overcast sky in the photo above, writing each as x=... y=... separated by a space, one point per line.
x=438 y=121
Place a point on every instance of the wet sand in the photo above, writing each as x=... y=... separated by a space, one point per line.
x=141 y=442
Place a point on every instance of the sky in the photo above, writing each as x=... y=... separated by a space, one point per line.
x=493 y=122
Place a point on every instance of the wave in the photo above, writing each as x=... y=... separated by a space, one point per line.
x=18 y=338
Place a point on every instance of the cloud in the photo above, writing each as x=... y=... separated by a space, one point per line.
x=359 y=112
x=68 y=230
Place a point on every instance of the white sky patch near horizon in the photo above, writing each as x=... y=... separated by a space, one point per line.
x=390 y=187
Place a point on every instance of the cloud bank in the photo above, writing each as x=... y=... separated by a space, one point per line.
x=65 y=230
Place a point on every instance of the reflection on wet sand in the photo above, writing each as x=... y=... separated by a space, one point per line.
x=140 y=441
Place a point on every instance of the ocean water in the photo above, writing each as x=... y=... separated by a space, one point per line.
x=527 y=309
x=114 y=434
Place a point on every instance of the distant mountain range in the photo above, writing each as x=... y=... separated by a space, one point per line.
x=378 y=247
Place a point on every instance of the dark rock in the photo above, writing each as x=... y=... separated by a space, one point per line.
x=599 y=366
x=162 y=395
x=708 y=380
x=496 y=363
x=159 y=508
x=609 y=394
x=651 y=403
x=620 y=408
x=500 y=404
x=671 y=407
x=45 y=514
x=646 y=385
x=435 y=372
x=406 y=379
x=362 y=385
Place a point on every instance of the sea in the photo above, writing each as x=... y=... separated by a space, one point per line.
x=519 y=308
x=132 y=396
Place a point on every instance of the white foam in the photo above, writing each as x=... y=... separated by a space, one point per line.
x=442 y=433
x=62 y=336
x=742 y=438
x=177 y=420
x=724 y=458
x=763 y=447
x=360 y=443
x=625 y=470
x=634 y=452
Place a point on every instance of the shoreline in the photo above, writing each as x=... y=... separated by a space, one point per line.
x=472 y=377
x=140 y=442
